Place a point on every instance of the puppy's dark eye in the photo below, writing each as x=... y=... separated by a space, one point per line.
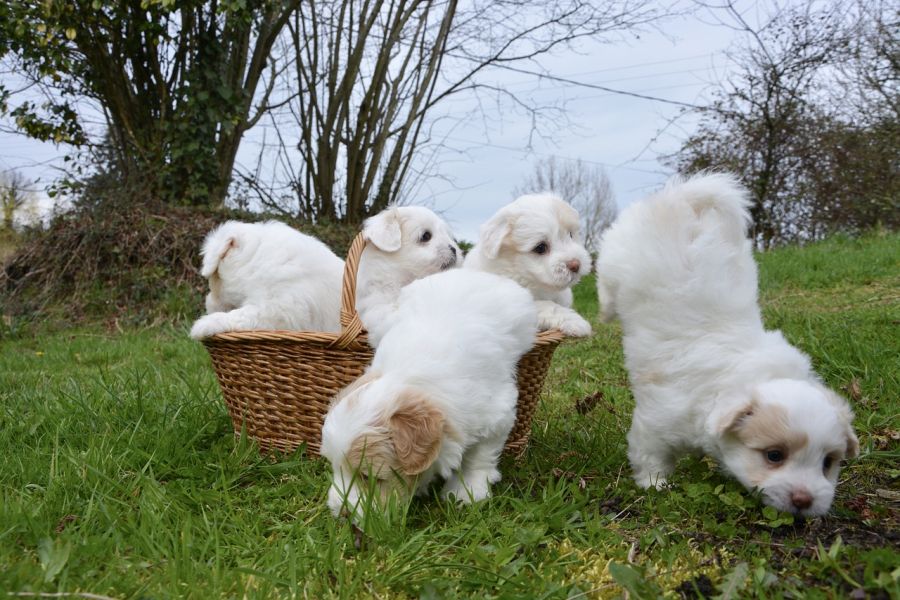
x=425 y=237
x=826 y=464
x=775 y=456
x=541 y=248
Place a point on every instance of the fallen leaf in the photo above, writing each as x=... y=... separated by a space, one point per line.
x=587 y=404
x=854 y=389
x=63 y=522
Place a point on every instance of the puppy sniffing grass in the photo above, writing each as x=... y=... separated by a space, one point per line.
x=440 y=396
x=535 y=241
x=677 y=269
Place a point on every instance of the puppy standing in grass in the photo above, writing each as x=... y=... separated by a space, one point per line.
x=678 y=271
x=535 y=242
x=440 y=395
x=270 y=276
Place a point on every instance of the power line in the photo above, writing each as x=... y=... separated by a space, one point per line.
x=601 y=87
x=548 y=154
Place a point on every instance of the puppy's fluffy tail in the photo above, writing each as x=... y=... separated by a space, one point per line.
x=217 y=245
x=720 y=202
x=684 y=248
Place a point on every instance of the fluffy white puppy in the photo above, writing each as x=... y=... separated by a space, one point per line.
x=678 y=271
x=440 y=395
x=405 y=243
x=535 y=241
x=268 y=276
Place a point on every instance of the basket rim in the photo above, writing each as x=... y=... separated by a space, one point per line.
x=550 y=336
x=352 y=333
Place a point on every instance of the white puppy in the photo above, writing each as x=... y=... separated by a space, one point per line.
x=535 y=242
x=678 y=271
x=405 y=243
x=440 y=395
x=268 y=276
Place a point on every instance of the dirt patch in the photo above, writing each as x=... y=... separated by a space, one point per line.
x=698 y=587
x=851 y=531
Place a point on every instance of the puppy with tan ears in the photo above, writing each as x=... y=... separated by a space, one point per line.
x=268 y=276
x=535 y=241
x=678 y=271
x=440 y=395
x=405 y=243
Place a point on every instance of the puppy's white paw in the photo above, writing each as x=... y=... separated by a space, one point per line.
x=651 y=481
x=478 y=488
x=575 y=326
x=554 y=316
x=209 y=325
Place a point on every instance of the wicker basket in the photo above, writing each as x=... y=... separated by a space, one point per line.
x=278 y=385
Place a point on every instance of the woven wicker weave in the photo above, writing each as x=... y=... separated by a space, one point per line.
x=278 y=385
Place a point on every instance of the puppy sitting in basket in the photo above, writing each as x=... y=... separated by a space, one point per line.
x=535 y=242
x=440 y=395
x=271 y=276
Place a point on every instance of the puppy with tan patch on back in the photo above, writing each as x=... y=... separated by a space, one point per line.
x=535 y=241
x=677 y=269
x=440 y=396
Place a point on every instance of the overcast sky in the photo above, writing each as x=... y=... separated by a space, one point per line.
x=619 y=132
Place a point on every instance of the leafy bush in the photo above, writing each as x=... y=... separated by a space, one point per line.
x=137 y=262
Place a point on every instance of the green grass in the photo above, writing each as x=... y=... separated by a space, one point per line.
x=120 y=476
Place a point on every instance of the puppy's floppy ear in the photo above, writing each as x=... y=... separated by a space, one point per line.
x=417 y=427
x=383 y=230
x=568 y=216
x=846 y=417
x=731 y=420
x=493 y=233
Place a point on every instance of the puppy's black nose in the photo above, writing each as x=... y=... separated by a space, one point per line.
x=801 y=499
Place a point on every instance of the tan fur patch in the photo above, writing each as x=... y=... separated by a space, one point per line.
x=767 y=428
x=373 y=455
x=400 y=447
x=764 y=427
x=417 y=427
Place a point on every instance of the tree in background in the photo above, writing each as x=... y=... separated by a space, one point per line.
x=812 y=162
x=175 y=82
x=369 y=76
x=16 y=198
x=585 y=187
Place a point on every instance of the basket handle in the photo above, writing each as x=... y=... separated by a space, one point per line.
x=351 y=327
